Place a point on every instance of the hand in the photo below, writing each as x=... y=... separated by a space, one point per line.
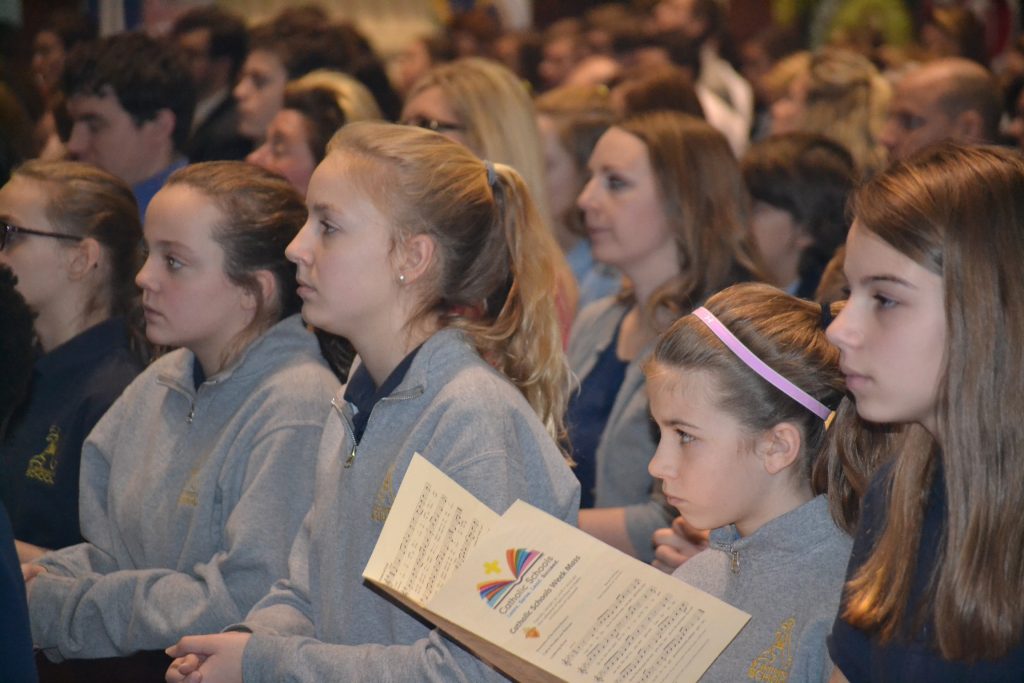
x=676 y=544
x=207 y=659
x=31 y=571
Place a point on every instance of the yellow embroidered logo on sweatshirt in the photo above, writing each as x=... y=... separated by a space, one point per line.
x=774 y=663
x=385 y=497
x=43 y=466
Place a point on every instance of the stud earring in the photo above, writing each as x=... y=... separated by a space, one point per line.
x=401 y=278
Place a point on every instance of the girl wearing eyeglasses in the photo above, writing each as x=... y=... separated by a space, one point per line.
x=70 y=232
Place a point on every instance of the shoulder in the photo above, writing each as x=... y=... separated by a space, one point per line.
x=601 y=313
x=594 y=325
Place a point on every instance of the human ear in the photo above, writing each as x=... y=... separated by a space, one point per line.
x=416 y=256
x=267 y=285
x=779 y=447
x=970 y=126
x=163 y=123
x=84 y=258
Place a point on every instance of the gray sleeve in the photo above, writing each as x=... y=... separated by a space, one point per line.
x=101 y=615
x=286 y=609
x=435 y=659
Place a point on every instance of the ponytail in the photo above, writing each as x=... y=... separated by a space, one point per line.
x=518 y=331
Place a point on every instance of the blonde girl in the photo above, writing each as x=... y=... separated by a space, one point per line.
x=426 y=259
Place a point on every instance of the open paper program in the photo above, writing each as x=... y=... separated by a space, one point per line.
x=537 y=598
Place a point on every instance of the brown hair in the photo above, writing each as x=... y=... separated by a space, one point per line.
x=784 y=332
x=260 y=214
x=494 y=277
x=87 y=201
x=665 y=87
x=705 y=202
x=581 y=114
x=958 y=212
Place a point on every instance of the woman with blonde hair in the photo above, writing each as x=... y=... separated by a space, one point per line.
x=482 y=105
x=666 y=205
x=427 y=259
x=840 y=95
x=71 y=233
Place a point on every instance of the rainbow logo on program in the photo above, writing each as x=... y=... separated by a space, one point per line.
x=519 y=560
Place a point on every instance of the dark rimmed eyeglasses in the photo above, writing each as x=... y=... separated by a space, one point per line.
x=434 y=124
x=8 y=230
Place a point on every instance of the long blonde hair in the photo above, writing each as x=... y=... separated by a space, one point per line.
x=494 y=277
x=495 y=107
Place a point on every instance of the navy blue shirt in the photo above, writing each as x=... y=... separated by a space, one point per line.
x=15 y=637
x=588 y=412
x=72 y=387
x=859 y=655
x=364 y=394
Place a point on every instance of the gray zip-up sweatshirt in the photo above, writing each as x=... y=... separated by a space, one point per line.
x=190 y=500
x=627 y=442
x=788 y=576
x=323 y=623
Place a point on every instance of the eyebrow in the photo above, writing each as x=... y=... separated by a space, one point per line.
x=170 y=244
x=321 y=208
x=872 y=279
x=681 y=423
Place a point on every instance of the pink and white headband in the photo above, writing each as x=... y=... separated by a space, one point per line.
x=751 y=360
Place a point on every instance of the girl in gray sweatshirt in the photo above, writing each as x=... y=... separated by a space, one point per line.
x=434 y=265
x=194 y=484
x=741 y=390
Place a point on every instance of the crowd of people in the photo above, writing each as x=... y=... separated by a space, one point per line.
x=739 y=303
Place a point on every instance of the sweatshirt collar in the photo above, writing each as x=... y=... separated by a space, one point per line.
x=792 y=532
x=85 y=348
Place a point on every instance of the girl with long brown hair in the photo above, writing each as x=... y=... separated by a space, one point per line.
x=930 y=336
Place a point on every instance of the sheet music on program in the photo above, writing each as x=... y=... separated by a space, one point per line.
x=437 y=529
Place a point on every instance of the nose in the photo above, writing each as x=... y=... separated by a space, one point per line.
x=298 y=250
x=241 y=89
x=78 y=141
x=662 y=465
x=842 y=332
x=586 y=198
x=890 y=135
x=259 y=156
x=145 y=277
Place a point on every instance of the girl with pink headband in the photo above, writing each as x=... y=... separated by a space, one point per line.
x=743 y=392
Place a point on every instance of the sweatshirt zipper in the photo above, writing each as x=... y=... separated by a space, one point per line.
x=351 y=433
x=350 y=460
